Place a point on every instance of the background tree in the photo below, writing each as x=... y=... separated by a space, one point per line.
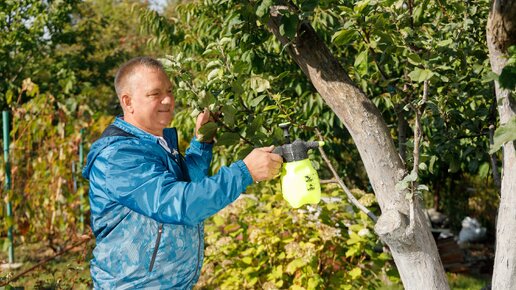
x=501 y=34
x=58 y=60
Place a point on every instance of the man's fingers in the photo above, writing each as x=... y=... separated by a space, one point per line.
x=266 y=149
x=276 y=158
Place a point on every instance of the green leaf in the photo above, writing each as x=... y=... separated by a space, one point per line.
x=210 y=52
x=483 y=170
x=213 y=63
x=411 y=177
x=228 y=138
x=433 y=159
x=507 y=78
x=254 y=102
x=207 y=132
x=217 y=72
x=206 y=99
x=288 y=26
x=263 y=8
x=343 y=37
x=402 y=185
x=229 y=112
x=9 y=221
x=418 y=13
x=294 y=265
x=414 y=59
x=361 y=5
x=361 y=62
x=247 y=260
x=445 y=42
x=420 y=75
x=355 y=273
x=9 y=97
x=259 y=84
x=218 y=220
x=489 y=77
x=505 y=133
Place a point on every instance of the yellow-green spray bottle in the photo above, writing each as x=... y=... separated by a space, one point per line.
x=299 y=180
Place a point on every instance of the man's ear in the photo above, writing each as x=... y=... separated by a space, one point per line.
x=126 y=103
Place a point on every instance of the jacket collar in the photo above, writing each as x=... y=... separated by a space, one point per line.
x=170 y=134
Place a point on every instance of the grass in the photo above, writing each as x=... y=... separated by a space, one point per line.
x=457 y=282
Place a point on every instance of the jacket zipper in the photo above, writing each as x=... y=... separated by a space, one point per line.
x=153 y=259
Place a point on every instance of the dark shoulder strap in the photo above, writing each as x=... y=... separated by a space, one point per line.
x=113 y=130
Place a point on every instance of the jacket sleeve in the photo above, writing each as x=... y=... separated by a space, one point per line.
x=198 y=159
x=137 y=178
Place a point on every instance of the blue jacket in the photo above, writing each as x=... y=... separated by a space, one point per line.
x=148 y=207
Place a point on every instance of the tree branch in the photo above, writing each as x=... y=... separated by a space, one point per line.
x=417 y=139
x=350 y=196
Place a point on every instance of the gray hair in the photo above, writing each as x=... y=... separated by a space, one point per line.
x=128 y=68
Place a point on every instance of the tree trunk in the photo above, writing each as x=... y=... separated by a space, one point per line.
x=402 y=227
x=501 y=33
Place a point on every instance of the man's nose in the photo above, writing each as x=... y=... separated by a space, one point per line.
x=167 y=100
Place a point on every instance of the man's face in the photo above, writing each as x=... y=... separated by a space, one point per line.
x=151 y=106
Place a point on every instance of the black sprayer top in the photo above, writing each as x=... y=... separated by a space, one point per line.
x=297 y=150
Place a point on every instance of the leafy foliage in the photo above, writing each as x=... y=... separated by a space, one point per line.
x=57 y=66
x=45 y=137
x=220 y=59
x=221 y=56
x=69 y=48
x=265 y=244
x=30 y=30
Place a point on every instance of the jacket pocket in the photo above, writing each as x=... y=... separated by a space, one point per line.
x=156 y=246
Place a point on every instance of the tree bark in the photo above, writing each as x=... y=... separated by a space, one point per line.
x=501 y=33
x=402 y=227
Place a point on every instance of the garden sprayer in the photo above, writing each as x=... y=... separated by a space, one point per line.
x=299 y=180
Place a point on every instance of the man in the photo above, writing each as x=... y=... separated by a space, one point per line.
x=148 y=202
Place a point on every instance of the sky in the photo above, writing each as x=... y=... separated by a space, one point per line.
x=158 y=5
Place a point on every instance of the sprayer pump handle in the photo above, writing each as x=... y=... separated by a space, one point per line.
x=286 y=134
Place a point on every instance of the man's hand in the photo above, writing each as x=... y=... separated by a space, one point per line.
x=262 y=164
x=203 y=118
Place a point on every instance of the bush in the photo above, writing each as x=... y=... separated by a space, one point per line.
x=260 y=242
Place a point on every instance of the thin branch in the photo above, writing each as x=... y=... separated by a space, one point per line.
x=328 y=181
x=8 y=281
x=415 y=169
x=350 y=196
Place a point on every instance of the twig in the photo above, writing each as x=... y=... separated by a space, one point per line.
x=88 y=238
x=327 y=181
x=350 y=196
x=417 y=138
